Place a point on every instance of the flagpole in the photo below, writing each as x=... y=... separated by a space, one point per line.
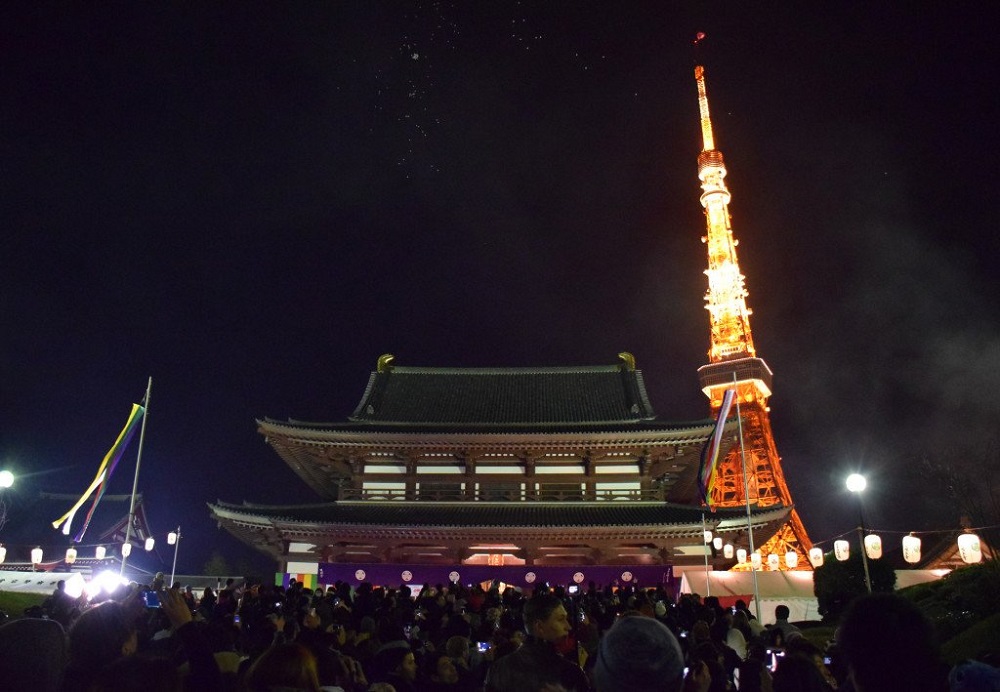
x=746 y=496
x=708 y=583
x=135 y=481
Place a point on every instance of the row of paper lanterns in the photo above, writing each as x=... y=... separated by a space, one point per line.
x=756 y=559
x=99 y=553
x=969 y=548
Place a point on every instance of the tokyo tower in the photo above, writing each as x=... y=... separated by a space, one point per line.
x=733 y=363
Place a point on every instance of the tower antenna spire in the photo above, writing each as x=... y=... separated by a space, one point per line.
x=727 y=294
x=708 y=140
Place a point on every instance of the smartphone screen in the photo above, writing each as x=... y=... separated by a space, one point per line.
x=152 y=599
x=483 y=646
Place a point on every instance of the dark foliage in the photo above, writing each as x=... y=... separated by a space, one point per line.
x=961 y=599
x=838 y=583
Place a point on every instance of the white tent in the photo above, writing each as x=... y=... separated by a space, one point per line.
x=911 y=577
x=41 y=582
x=793 y=589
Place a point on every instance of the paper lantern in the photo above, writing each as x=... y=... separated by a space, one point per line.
x=717 y=542
x=773 y=562
x=171 y=538
x=756 y=560
x=70 y=556
x=816 y=557
x=126 y=549
x=36 y=556
x=727 y=551
x=792 y=559
x=3 y=554
x=708 y=536
x=911 y=549
x=842 y=549
x=969 y=548
x=100 y=552
x=150 y=542
x=741 y=555
x=873 y=547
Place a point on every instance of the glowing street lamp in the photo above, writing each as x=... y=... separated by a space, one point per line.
x=856 y=483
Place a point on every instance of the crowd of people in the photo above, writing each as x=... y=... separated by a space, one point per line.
x=256 y=637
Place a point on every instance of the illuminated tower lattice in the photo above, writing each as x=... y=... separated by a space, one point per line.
x=732 y=360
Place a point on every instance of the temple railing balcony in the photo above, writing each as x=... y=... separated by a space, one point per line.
x=547 y=492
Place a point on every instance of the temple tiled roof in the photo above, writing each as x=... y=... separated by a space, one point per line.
x=486 y=398
x=483 y=514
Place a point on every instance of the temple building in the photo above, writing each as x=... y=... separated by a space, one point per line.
x=542 y=473
x=506 y=472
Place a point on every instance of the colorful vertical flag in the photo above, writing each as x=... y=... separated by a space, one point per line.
x=104 y=472
x=710 y=452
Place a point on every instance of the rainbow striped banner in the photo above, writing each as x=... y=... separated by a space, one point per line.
x=104 y=472
x=308 y=581
x=710 y=452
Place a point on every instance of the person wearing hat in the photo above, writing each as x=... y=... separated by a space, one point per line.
x=640 y=654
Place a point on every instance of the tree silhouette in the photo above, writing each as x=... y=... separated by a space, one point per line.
x=838 y=583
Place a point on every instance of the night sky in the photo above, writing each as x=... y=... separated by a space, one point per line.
x=250 y=202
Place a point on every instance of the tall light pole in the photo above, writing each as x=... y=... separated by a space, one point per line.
x=6 y=481
x=856 y=483
x=175 y=538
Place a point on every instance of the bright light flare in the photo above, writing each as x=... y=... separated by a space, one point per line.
x=856 y=483
x=75 y=585
x=6 y=479
x=108 y=581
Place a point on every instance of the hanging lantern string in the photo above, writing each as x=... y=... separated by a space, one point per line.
x=929 y=532
x=84 y=546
